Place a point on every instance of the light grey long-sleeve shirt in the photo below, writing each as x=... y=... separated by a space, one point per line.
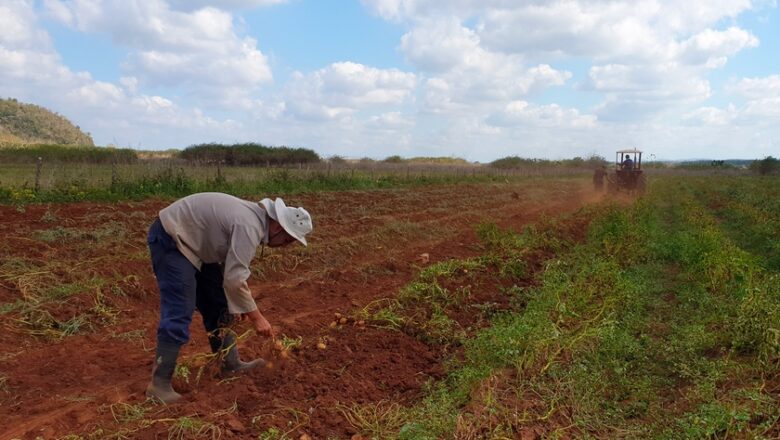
x=219 y=228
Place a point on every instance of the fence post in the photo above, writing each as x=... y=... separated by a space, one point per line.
x=114 y=178
x=38 y=166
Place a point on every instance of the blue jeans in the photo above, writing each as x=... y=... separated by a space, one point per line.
x=183 y=289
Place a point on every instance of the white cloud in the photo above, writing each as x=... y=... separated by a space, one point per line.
x=663 y=82
x=30 y=66
x=614 y=31
x=761 y=105
x=604 y=31
x=666 y=15
x=648 y=56
x=465 y=88
x=130 y=83
x=388 y=9
x=712 y=48
x=712 y=115
x=18 y=30
x=766 y=111
x=441 y=45
x=518 y=113
x=757 y=88
x=27 y=55
x=462 y=73
x=491 y=78
x=32 y=71
x=637 y=92
x=763 y=99
x=198 y=50
x=97 y=94
x=390 y=120
x=190 y=5
x=341 y=89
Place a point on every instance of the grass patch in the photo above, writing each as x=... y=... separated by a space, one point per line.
x=655 y=325
x=60 y=182
x=56 y=299
x=110 y=230
x=377 y=420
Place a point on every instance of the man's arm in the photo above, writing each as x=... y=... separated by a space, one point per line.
x=241 y=251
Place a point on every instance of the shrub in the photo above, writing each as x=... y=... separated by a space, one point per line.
x=248 y=154
x=767 y=165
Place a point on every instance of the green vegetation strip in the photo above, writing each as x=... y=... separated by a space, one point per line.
x=657 y=325
x=749 y=210
x=71 y=183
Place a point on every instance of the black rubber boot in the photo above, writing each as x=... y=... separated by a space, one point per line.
x=231 y=363
x=160 y=387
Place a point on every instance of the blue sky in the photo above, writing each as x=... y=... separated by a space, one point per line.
x=373 y=78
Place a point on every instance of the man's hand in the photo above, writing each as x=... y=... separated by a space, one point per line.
x=262 y=326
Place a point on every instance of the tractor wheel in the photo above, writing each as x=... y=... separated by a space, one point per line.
x=641 y=184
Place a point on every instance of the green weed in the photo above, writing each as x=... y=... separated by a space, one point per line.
x=182 y=372
x=289 y=343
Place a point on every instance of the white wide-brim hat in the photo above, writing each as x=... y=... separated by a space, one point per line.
x=296 y=221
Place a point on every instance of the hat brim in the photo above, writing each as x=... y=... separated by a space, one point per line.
x=269 y=207
x=280 y=206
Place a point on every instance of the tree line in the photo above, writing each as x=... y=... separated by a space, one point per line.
x=255 y=154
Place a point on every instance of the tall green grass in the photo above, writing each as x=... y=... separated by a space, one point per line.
x=76 y=182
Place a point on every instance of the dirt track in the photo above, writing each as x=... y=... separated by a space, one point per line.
x=365 y=247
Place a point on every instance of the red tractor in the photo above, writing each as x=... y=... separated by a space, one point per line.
x=628 y=175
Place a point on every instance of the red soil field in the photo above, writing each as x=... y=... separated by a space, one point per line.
x=365 y=247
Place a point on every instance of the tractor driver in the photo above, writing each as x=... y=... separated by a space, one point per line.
x=627 y=163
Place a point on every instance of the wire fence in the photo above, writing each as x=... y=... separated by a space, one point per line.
x=44 y=182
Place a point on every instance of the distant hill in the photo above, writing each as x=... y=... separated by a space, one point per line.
x=32 y=124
